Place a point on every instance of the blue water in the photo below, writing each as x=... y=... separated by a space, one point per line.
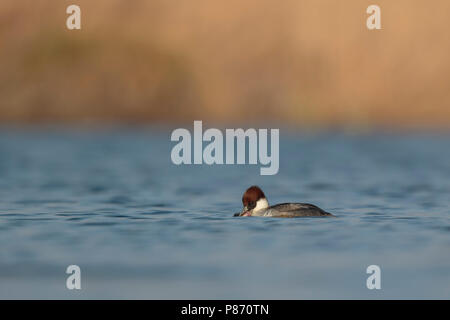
x=111 y=202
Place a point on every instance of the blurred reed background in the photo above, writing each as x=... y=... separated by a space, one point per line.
x=301 y=63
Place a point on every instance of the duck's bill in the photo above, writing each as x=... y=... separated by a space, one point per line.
x=245 y=212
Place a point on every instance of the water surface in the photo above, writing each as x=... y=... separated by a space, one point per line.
x=140 y=227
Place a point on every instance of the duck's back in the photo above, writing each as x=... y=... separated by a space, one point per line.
x=295 y=210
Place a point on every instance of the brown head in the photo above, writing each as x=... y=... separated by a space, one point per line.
x=253 y=200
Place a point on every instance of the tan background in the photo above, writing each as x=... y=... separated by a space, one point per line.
x=305 y=63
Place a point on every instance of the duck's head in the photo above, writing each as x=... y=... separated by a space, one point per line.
x=253 y=200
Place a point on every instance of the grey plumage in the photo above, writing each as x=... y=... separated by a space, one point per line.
x=292 y=210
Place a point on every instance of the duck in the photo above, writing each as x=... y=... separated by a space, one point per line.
x=255 y=204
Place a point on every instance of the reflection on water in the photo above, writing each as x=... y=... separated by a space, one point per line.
x=140 y=227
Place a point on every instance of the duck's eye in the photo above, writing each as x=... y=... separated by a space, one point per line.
x=251 y=204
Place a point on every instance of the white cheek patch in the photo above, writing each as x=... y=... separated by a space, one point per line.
x=261 y=204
